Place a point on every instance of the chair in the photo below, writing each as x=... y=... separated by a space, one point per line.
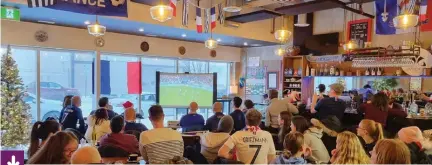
x=134 y=132
x=111 y=151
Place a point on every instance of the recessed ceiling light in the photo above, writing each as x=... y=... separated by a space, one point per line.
x=218 y=40
x=87 y=22
x=151 y=35
x=183 y=35
x=47 y=22
x=256 y=45
x=245 y=44
x=141 y=29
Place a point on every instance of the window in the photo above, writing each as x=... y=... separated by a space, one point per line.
x=26 y=63
x=192 y=66
x=222 y=70
x=65 y=73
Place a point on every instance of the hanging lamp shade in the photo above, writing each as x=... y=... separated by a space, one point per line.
x=161 y=12
x=96 y=29
x=404 y=21
x=211 y=43
x=350 y=45
x=282 y=35
x=231 y=7
x=280 y=51
x=301 y=21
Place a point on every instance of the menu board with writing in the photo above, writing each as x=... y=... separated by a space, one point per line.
x=360 y=31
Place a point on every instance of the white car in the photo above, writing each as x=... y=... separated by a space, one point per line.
x=49 y=108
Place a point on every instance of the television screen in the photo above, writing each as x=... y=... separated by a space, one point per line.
x=323 y=44
x=178 y=90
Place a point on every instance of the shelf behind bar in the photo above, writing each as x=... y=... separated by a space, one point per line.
x=403 y=76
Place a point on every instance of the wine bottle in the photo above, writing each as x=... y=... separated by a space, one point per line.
x=326 y=71
x=332 y=71
x=367 y=73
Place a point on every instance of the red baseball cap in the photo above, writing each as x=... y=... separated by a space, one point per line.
x=127 y=104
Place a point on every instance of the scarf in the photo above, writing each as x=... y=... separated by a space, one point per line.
x=253 y=129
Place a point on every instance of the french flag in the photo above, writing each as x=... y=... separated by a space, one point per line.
x=426 y=15
x=213 y=17
x=173 y=4
x=199 y=20
x=133 y=77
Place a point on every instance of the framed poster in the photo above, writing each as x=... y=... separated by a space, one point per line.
x=360 y=30
x=272 y=80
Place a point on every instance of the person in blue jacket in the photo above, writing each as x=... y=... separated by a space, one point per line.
x=73 y=114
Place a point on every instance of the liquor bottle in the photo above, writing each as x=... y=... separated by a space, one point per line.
x=307 y=70
x=321 y=70
x=367 y=73
x=326 y=70
x=332 y=71
x=379 y=72
x=373 y=73
x=312 y=72
x=337 y=72
x=299 y=71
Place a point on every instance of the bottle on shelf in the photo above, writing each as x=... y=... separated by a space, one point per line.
x=373 y=73
x=337 y=72
x=312 y=72
x=320 y=70
x=332 y=71
x=326 y=70
x=290 y=72
x=379 y=72
x=367 y=73
x=307 y=70
x=286 y=72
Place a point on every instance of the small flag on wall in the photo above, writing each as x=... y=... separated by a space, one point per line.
x=221 y=16
x=213 y=17
x=206 y=20
x=185 y=13
x=173 y=4
x=40 y=3
x=199 y=20
x=426 y=15
x=134 y=77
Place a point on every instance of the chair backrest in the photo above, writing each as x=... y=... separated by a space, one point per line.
x=111 y=151
x=134 y=132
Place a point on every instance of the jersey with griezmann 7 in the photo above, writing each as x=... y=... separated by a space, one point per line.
x=252 y=148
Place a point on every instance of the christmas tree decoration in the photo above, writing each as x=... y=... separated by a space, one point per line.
x=15 y=114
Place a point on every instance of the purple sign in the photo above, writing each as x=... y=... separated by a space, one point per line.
x=12 y=157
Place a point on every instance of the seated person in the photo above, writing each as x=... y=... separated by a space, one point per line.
x=118 y=139
x=86 y=155
x=213 y=121
x=379 y=110
x=252 y=145
x=160 y=144
x=130 y=119
x=104 y=104
x=192 y=121
x=40 y=133
x=294 y=148
x=98 y=125
x=211 y=142
x=57 y=150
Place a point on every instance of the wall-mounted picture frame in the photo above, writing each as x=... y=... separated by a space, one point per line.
x=272 y=80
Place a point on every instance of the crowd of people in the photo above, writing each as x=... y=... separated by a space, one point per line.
x=285 y=136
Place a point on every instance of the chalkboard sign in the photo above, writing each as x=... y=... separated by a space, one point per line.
x=360 y=30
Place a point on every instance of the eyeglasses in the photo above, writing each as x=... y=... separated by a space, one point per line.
x=70 y=150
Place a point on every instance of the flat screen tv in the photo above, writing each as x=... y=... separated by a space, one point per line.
x=323 y=44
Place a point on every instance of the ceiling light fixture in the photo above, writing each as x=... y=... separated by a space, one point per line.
x=301 y=21
x=183 y=35
x=404 y=21
x=218 y=40
x=231 y=7
x=280 y=51
x=245 y=43
x=211 y=43
x=282 y=35
x=87 y=22
x=141 y=29
x=96 y=29
x=161 y=12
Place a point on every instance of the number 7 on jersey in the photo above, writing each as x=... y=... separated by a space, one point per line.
x=258 y=147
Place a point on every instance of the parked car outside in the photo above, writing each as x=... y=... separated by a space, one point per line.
x=52 y=90
x=49 y=108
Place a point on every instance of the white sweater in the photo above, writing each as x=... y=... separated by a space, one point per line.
x=101 y=129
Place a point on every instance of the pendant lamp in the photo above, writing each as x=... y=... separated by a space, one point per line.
x=161 y=12
x=96 y=29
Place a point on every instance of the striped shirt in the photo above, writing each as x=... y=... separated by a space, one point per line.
x=160 y=144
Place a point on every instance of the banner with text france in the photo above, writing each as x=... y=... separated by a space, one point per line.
x=94 y=7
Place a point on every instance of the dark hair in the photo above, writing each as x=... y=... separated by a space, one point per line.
x=249 y=104
x=52 y=152
x=321 y=88
x=155 y=112
x=265 y=96
x=41 y=130
x=400 y=90
x=103 y=101
x=273 y=93
x=285 y=128
x=117 y=124
x=366 y=86
x=353 y=92
x=67 y=100
x=381 y=101
x=100 y=115
x=293 y=143
x=253 y=117
x=285 y=92
x=237 y=101
x=300 y=123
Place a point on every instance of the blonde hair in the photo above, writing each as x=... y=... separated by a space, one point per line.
x=373 y=128
x=391 y=151
x=130 y=114
x=349 y=150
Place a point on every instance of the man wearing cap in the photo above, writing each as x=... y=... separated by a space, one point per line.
x=331 y=106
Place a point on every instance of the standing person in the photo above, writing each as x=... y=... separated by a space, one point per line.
x=104 y=104
x=390 y=151
x=274 y=109
x=130 y=120
x=213 y=121
x=98 y=125
x=294 y=148
x=285 y=123
x=356 y=99
x=40 y=133
x=57 y=150
x=413 y=138
x=252 y=145
x=312 y=137
x=67 y=100
x=192 y=121
x=370 y=132
x=367 y=90
x=237 y=115
x=332 y=105
x=73 y=114
x=160 y=144
x=118 y=139
x=379 y=109
x=349 y=150
x=321 y=92
x=211 y=142
x=249 y=105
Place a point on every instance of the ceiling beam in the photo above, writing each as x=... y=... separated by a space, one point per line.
x=344 y=6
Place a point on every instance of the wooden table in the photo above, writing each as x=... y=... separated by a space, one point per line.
x=114 y=160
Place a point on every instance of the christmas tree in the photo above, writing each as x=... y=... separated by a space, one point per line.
x=15 y=116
